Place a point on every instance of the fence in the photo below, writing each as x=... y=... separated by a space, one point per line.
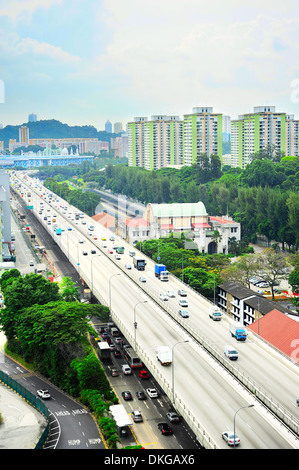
x=30 y=398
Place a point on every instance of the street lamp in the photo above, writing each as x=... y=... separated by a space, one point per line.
x=246 y=406
x=135 y=323
x=179 y=342
x=118 y=274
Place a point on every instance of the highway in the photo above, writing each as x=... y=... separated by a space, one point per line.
x=203 y=390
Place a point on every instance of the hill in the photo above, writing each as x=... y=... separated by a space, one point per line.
x=54 y=129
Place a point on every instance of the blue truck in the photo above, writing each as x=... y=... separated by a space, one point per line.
x=161 y=272
x=58 y=231
x=238 y=331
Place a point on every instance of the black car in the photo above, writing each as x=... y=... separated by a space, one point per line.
x=140 y=395
x=164 y=428
x=117 y=353
x=127 y=395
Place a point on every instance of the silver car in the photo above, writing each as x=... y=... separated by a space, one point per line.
x=137 y=416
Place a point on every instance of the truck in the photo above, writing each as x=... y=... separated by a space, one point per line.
x=139 y=263
x=86 y=296
x=58 y=231
x=161 y=272
x=238 y=331
x=164 y=355
x=104 y=350
x=215 y=314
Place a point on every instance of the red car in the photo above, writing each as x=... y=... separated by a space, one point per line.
x=143 y=374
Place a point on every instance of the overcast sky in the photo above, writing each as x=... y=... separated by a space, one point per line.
x=84 y=62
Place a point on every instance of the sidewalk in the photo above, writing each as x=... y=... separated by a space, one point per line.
x=22 y=424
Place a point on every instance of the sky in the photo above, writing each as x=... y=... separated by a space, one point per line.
x=86 y=62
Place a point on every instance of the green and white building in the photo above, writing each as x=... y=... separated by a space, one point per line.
x=264 y=127
x=166 y=141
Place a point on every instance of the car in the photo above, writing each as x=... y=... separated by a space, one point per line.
x=43 y=393
x=183 y=303
x=137 y=416
x=110 y=251
x=173 y=417
x=103 y=239
x=84 y=253
x=128 y=266
x=112 y=347
x=127 y=395
x=81 y=241
x=117 y=256
x=69 y=229
x=83 y=222
x=93 y=252
x=163 y=297
x=31 y=263
x=171 y=293
x=117 y=353
x=182 y=293
x=184 y=313
x=143 y=374
x=152 y=392
x=95 y=237
x=141 y=395
x=231 y=438
x=114 y=372
x=142 y=279
x=164 y=428
x=105 y=335
x=104 y=245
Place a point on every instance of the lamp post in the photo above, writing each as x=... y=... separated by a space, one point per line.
x=118 y=274
x=135 y=323
x=179 y=342
x=246 y=406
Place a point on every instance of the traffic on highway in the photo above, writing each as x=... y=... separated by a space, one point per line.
x=151 y=313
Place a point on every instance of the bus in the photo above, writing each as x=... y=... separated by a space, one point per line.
x=132 y=358
x=120 y=250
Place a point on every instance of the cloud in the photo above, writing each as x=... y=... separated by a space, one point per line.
x=23 y=9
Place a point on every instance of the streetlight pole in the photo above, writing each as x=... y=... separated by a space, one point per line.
x=179 y=342
x=118 y=274
x=246 y=406
x=135 y=323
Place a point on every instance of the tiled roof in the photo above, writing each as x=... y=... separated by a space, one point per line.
x=280 y=331
x=136 y=222
x=221 y=220
x=104 y=219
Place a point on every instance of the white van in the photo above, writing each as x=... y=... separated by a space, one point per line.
x=231 y=353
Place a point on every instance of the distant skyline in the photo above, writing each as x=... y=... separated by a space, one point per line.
x=84 y=63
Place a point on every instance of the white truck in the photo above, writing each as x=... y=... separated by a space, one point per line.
x=215 y=314
x=164 y=355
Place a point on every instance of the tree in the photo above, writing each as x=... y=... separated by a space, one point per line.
x=68 y=290
x=242 y=270
x=272 y=267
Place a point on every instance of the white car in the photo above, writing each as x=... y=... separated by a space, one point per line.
x=231 y=438
x=43 y=393
x=163 y=297
x=183 y=303
x=152 y=392
x=171 y=293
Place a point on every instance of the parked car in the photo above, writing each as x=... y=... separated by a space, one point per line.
x=43 y=393
x=173 y=417
x=231 y=438
x=137 y=416
x=152 y=392
x=165 y=428
x=127 y=395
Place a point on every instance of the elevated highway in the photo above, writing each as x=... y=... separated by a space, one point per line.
x=206 y=388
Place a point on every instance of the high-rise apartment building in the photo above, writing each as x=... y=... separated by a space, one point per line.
x=264 y=127
x=202 y=134
x=170 y=141
x=156 y=143
x=24 y=134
